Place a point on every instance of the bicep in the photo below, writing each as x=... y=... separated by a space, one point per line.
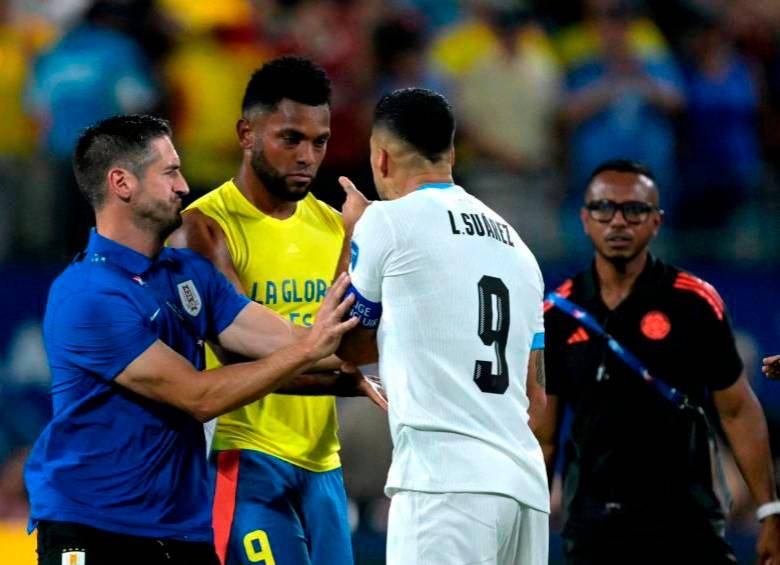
x=257 y=331
x=203 y=235
x=161 y=374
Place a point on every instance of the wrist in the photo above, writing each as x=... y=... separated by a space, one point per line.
x=771 y=508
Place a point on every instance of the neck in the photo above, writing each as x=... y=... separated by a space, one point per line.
x=127 y=233
x=255 y=191
x=616 y=278
x=414 y=181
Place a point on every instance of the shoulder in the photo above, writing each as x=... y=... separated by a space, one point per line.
x=324 y=213
x=564 y=290
x=186 y=259
x=210 y=201
x=696 y=290
x=90 y=292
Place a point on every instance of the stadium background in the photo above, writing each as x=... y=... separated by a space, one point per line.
x=515 y=72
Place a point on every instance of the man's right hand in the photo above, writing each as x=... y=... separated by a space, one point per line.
x=354 y=205
x=325 y=335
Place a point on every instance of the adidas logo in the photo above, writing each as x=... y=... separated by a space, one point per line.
x=578 y=336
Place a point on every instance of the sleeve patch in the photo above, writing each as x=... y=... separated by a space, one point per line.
x=355 y=252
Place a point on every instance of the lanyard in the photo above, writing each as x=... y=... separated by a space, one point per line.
x=589 y=321
x=670 y=393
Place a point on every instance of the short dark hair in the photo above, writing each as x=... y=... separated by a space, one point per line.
x=119 y=140
x=420 y=117
x=622 y=166
x=295 y=78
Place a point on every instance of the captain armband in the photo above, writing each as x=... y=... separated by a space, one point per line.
x=367 y=311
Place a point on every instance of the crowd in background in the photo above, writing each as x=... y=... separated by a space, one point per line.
x=543 y=92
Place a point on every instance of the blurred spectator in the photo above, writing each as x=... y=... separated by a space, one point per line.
x=622 y=94
x=400 y=57
x=721 y=162
x=96 y=70
x=507 y=104
x=21 y=37
x=457 y=49
x=439 y=13
x=207 y=72
x=337 y=35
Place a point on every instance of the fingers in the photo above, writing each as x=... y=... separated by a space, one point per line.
x=771 y=359
x=347 y=325
x=347 y=185
x=335 y=292
x=342 y=309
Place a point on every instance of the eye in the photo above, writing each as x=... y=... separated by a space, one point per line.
x=291 y=138
x=320 y=142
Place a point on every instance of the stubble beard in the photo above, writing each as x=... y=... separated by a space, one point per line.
x=273 y=181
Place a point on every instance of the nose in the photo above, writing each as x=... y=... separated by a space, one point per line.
x=306 y=154
x=618 y=219
x=180 y=186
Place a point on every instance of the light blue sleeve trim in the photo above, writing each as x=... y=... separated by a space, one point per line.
x=369 y=312
x=538 y=341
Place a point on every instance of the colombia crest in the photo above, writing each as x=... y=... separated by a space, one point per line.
x=655 y=325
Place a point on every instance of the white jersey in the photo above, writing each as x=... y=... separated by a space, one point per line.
x=461 y=306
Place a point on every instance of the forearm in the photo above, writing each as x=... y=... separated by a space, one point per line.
x=318 y=384
x=749 y=439
x=227 y=388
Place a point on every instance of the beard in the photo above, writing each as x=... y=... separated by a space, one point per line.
x=161 y=218
x=274 y=182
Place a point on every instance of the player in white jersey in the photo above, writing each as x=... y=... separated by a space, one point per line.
x=450 y=299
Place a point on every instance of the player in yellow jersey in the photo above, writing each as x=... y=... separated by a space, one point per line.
x=279 y=495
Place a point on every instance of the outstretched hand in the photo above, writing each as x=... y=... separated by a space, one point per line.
x=328 y=329
x=771 y=366
x=354 y=206
x=355 y=383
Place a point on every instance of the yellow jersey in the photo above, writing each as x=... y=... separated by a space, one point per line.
x=286 y=265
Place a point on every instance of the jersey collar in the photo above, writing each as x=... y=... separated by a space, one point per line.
x=101 y=249
x=650 y=275
x=436 y=185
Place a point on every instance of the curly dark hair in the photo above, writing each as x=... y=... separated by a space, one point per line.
x=295 y=78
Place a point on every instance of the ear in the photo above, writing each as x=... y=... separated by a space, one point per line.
x=584 y=219
x=384 y=163
x=121 y=182
x=658 y=219
x=246 y=135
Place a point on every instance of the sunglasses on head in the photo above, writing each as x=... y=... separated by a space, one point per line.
x=633 y=211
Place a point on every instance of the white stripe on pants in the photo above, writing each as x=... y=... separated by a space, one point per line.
x=464 y=529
